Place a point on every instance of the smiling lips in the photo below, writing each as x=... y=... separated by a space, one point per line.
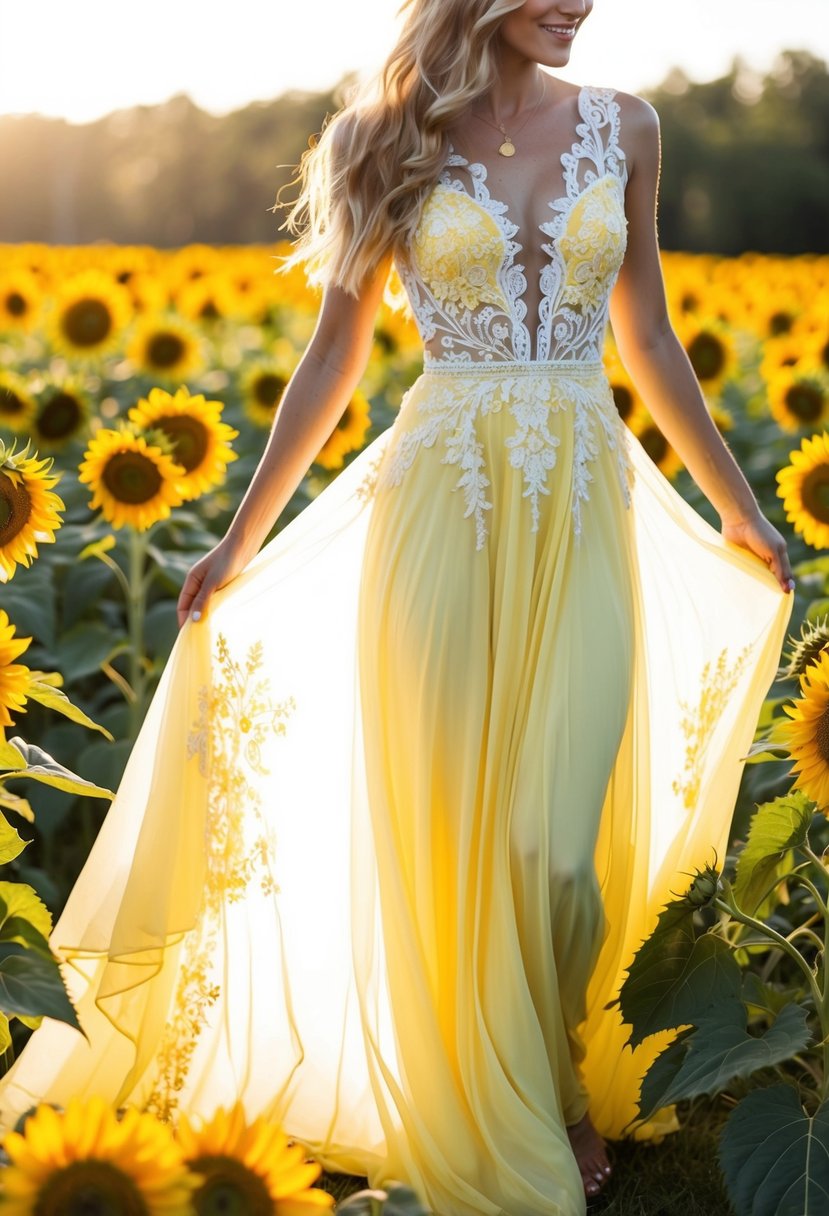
x=566 y=33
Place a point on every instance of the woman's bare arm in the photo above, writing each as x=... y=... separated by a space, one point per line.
x=312 y=404
x=656 y=359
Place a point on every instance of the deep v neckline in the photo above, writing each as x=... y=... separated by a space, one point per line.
x=455 y=158
x=513 y=278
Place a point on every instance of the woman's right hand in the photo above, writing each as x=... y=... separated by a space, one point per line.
x=219 y=566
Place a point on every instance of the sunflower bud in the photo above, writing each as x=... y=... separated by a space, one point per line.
x=704 y=888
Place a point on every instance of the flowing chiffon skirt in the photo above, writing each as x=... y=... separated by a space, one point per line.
x=406 y=802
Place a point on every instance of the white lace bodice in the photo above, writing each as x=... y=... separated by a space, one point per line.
x=466 y=288
x=469 y=295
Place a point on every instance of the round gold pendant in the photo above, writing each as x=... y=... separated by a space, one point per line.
x=507 y=148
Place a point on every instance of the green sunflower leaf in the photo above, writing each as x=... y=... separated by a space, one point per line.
x=719 y=1051
x=10 y=757
x=676 y=977
x=40 y=766
x=774 y=1156
x=19 y=900
x=13 y=802
x=42 y=690
x=32 y=985
x=11 y=845
x=776 y=828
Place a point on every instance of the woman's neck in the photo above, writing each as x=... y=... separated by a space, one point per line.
x=519 y=83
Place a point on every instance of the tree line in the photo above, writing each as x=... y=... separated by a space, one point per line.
x=745 y=166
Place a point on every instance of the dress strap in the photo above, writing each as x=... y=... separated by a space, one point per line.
x=604 y=115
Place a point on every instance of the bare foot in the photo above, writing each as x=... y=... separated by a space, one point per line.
x=591 y=1155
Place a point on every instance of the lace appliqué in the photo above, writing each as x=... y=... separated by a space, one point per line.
x=464 y=285
x=236 y=717
x=452 y=411
x=700 y=721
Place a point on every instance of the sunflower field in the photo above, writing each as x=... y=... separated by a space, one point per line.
x=137 y=389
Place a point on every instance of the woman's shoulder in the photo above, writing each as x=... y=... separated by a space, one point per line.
x=633 y=109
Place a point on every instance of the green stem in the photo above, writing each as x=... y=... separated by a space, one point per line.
x=136 y=609
x=786 y=946
x=810 y=886
x=819 y=863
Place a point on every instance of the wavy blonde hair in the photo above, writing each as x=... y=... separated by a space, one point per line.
x=364 y=180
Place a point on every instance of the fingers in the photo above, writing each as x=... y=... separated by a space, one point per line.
x=190 y=592
x=781 y=566
x=198 y=605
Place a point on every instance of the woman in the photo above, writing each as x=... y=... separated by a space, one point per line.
x=459 y=730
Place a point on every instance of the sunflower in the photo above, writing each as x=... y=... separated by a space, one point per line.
x=665 y=457
x=207 y=298
x=28 y=508
x=62 y=413
x=349 y=433
x=813 y=640
x=711 y=350
x=785 y=353
x=90 y=311
x=804 y=487
x=250 y=1168
x=17 y=405
x=263 y=384
x=134 y=482
x=627 y=400
x=806 y=736
x=86 y=1160
x=198 y=438
x=798 y=399
x=14 y=677
x=166 y=348
x=20 y=300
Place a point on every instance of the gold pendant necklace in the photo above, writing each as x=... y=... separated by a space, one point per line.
x=507 y=148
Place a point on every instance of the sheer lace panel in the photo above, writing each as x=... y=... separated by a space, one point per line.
x=469 y=278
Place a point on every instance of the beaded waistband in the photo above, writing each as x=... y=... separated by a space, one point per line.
x=515 y=367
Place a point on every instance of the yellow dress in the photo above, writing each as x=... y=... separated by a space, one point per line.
x=407 y=801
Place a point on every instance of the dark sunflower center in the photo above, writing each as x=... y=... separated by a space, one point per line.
x=804 y=402
x=15 y=508
x=10 y=403
x=268 y=388
x=16 y=305
x=624 y=400
x=87 y=322
x=189 y=438
x=654 y=443
x=707 y=356
x=822 y=736
x=346 y=418
x=385 y=340
x=824 y=356
x=59 y=417
x=780 y=323
x=131 y=477
x=689 y=302
x=230 y=1189
x=164 y=349
x=815 y=493
x=209 y=311
x=90 y=1188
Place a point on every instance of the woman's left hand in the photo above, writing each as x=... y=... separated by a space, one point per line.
x=762 y=538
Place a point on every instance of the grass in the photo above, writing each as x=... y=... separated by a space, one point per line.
x=678 y=1177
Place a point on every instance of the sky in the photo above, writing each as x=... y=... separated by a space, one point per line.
x=81 y=60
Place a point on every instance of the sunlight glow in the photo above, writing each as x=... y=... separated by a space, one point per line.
x=82 y=60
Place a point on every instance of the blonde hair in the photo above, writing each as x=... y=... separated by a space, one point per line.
x=363 y=182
